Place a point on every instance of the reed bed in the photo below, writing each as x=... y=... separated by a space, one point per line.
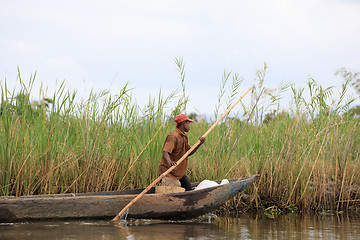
x=307 y=155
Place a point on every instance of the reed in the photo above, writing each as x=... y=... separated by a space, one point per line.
x=307 y=155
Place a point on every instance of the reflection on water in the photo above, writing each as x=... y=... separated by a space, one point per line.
x=292 y=227
x=210 y=227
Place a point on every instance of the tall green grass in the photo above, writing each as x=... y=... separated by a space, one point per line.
x=307 y=155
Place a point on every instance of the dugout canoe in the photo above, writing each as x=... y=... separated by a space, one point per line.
x=105 y=205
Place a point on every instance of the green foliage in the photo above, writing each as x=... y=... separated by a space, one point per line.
x=307 y=156
x=354 y=112
x=350 y=77
x=354 y=80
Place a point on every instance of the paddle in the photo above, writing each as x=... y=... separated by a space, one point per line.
x=178 y=162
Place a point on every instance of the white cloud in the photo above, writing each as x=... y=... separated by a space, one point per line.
x=138 y=40
x=25 y=47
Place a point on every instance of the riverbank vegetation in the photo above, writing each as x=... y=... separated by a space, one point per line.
x=307 y=154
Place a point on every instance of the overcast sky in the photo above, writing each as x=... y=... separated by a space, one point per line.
x=105 y=44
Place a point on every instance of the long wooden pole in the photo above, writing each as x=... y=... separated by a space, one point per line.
x=178 y=162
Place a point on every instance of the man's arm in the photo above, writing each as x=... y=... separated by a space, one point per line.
x=168 y=159
x=202 y=140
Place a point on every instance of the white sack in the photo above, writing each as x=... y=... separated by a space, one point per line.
x=208 y=183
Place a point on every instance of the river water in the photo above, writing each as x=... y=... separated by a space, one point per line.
x=207 y=227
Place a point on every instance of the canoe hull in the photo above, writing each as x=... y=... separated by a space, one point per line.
x=172 y=206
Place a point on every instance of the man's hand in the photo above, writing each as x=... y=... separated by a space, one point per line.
x=171 y=163
x=202 y=140
x=168 y=159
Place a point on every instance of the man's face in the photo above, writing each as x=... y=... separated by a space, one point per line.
x=186 y=126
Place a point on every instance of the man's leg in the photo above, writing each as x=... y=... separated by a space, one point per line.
x=185 y=183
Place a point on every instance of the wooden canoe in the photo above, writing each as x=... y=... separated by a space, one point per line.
x=171 y=206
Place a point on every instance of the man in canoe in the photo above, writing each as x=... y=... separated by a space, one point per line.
x=175 y=146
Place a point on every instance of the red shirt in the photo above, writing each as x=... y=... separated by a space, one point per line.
x=176 y=144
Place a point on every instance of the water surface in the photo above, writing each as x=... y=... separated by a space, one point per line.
x=208 y=227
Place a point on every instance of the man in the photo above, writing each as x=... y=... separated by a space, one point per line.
x=175 y=146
